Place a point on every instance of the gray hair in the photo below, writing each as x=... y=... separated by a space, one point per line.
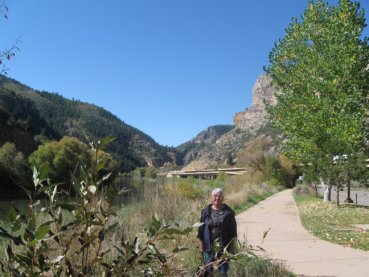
x=217 y=190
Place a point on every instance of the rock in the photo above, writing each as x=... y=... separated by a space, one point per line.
x=254 y=118
x=202 y=143
x=263 y=92
x=208 y=149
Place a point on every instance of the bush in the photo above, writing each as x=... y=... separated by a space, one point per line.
x=13 y=168
x=150 y=172
x=61 y=157
x=185 y=188
x=304 y=189
x=259 y=159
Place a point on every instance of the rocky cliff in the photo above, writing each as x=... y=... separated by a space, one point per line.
x=255 y=117
x=248 y=124
x=202 y=143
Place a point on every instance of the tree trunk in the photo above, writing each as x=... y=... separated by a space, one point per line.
x=329 y=192
x=349 y=200
x=326 y=193
x=338 y=194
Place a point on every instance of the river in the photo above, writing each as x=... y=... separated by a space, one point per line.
x=132 y=189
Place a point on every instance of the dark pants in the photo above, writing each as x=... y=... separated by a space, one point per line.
x=209 y=259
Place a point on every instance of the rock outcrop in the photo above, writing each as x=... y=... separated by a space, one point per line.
x=248 y=124
x=255 y=117
x=202 y=143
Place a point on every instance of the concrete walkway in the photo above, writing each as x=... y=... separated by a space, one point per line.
x=288 y=242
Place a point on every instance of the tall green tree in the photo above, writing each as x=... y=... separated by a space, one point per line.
x=61 y=158
x=321 y=70
x=13 y=167
x=254 y=154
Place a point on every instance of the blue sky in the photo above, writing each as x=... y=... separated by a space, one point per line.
x=170 y=68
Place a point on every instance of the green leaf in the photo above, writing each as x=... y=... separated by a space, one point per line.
x=32 y=243
x=5 y=234
x=155 y=223
x=90 y=239
x=42 y=231
x=68 y=206
x=104 y=253
x=105 y=141
x=44 y=172
x=28 y=234
x=48 y=223
x=111 y=227
x=27 y=261
x=13 y=213
x=120 y=251
x=32 y=223
x=174 y=231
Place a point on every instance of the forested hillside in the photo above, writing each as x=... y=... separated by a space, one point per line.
x=30 y=117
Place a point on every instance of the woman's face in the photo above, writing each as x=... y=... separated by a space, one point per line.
x=217 y=198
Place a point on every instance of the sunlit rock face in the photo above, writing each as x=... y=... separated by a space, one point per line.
x=207 y=150
x=254 y=117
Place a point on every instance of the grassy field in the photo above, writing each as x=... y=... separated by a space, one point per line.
x=343 y=225
x=179 y=201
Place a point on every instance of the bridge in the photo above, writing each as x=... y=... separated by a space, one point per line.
x=206 y=173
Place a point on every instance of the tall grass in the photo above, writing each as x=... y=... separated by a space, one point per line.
x=3 y=224
x=251 y=267
x=181 y=200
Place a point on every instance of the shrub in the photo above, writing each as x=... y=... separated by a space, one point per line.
x=13 y=167
x=150 y=172
x=304 y=189
x=186 y=188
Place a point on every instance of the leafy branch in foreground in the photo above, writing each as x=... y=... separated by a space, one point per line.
x=59 y=236
x=7 y=54
x=74 y=237
x=244 y=253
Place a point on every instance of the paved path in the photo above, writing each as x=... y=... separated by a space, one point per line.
x=287 y=241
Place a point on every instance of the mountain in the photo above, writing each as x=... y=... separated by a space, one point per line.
x=248 y=124
x=202 y=143
x=29 y=117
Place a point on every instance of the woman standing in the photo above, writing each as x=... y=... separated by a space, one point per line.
x=218 y=232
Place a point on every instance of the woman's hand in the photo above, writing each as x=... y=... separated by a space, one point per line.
x=201 y=247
